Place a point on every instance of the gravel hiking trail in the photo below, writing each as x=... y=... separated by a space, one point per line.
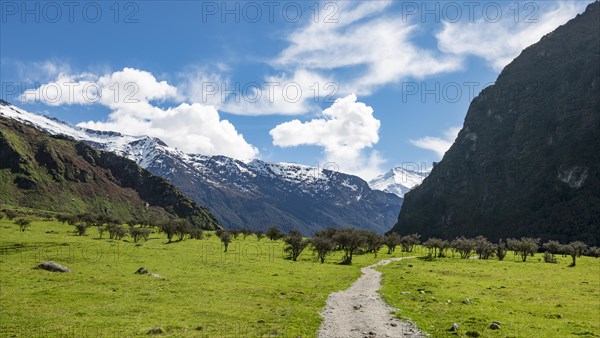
x=360 y=311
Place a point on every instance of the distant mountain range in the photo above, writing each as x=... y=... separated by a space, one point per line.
x=527 y=160
x=252 y=194
x=400 y=180
x=42 y=171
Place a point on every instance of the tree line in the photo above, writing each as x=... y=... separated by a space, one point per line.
x=348 y=241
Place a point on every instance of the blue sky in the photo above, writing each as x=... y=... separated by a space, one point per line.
x=260 y=79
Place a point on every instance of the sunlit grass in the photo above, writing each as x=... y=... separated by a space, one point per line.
x=532 y=299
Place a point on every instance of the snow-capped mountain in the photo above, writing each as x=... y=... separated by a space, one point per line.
x=254 y=194
x=400 y=180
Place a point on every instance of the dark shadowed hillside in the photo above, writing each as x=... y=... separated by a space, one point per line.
x=42 y=171
x=527 y=160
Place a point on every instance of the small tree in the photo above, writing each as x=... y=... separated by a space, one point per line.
x=169 y=228
x=10 y=214
x=196 y=233
x=501 y=250
x=23 y=223
x=349 y=240
x=182 y=228
x=322 y=246
x=373 y=242
x=295 y=244
x=552 y=248
x=575 y=249
x=274 y=233
x=593 y=252
x=81 y=228
x=116 y=231
x=225 y=239
x=464 y=246
x=409 y=242
x=484 y=248
x=391 y=240
x=436 y=246
x=139 y=233
x=524 y=247
x=101 y=230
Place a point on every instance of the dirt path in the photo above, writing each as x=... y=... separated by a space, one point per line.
x=361 y=312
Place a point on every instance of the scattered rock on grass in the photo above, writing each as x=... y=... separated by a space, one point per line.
x=142 y=271
x=156 y=331
x=495 y=325
x=454 y=327
x=54 y=267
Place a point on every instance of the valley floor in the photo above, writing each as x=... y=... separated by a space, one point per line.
x=252 y=291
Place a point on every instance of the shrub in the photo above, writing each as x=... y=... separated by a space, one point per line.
x=349 y=240
x=274 y=233
x=116 y=231
x=524 y=247
x=373 y=242
x=169 y=228
x=409 y=242
x=259 y=235
x=23 y=223
x=225 y=239
x=593 y=252
x=464 y=246
x=196 y=233
x=10 y=214
x=101 y=230
x=295 y=244
x=391 y=240
x=322 y=246
x=436 y=246
x=575 y=249
x=81 y=228
x=484 y=248
x=139 y=233
x=501 y=250
x=549 y=257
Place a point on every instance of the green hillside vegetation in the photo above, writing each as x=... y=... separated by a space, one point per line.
x=44 y=172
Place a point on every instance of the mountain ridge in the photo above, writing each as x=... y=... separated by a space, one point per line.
x=526 y=162
x=254 y=194
x=56 y=173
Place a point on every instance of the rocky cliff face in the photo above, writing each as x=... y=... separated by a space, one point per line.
x=56 y=173
x=527 y=160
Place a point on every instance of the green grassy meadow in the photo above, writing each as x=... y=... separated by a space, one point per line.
x=531 y=299
x=250 y=291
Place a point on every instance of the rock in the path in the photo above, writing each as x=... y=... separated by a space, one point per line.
x=495 y=325
x=454 y=327
x=54 y=267
x=142 y=271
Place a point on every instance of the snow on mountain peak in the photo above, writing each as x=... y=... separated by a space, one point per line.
x=400 y=180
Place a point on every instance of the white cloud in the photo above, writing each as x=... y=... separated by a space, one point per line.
x=134 y=97
x=285 y=94
x=439 y=145
x=500 y=42
x=193 y=128
x=345 y=130
x=373 y=48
